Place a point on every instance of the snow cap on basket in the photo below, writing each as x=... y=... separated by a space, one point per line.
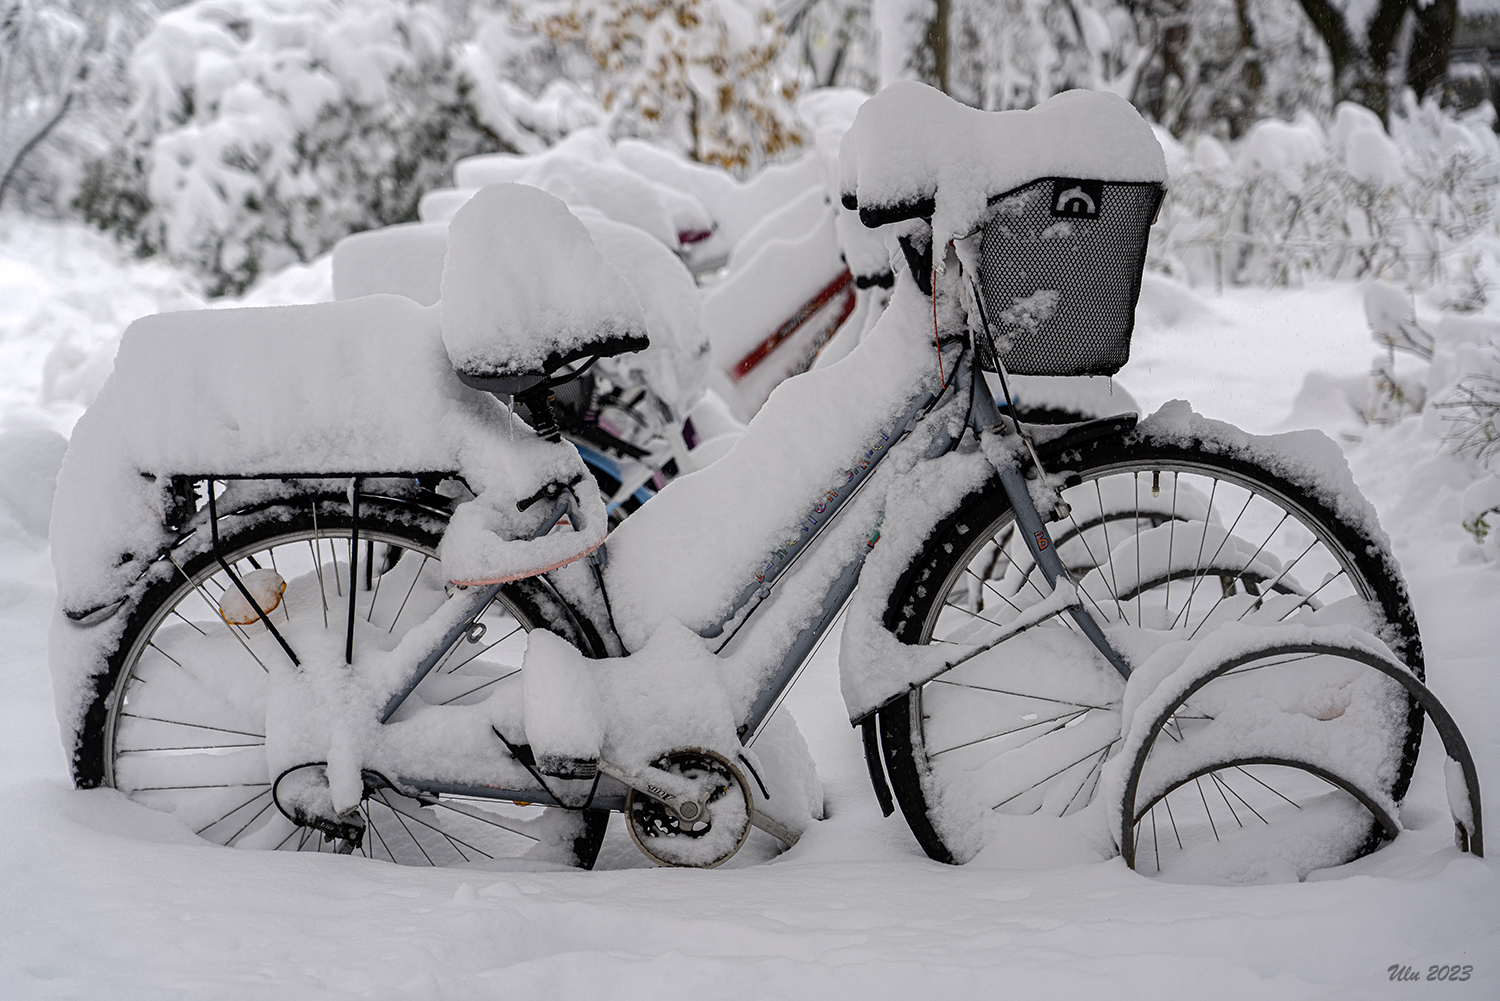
x=914 y=151
x=524 y=289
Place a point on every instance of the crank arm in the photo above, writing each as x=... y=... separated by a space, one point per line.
x=774 y=828
x=690 y=810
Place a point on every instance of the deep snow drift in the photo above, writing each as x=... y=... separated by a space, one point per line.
x=106 y=899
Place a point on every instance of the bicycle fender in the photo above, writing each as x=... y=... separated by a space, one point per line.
x=876 y=665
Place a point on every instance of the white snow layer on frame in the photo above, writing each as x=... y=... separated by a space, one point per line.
x=524 y=287
x=911 y=143
x=699 y=543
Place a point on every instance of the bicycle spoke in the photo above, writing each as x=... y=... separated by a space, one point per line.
x=203 y=785
x=985 y=585
x=1055 y=774
x=1139 y=601
x=409 y=834
x=1199 y=575
x=1243 y=801
x=200 y=726
x=1273 y=663
x=1166 y=604
x=1155 y=844
x=1211 y=824
x=478 y=688
x=189 y=621
x=194 y=747
x=1109 y=553
x=415 y=577
x=1093 y=771
x=1271 y=584
x=1213 y=776
x=372 y=828
x=456 y=841
x=475 y=656
x=226 y=816
x=1307 y=598
x=164 y=653
x=1019 y=695
x=482 y=817
x=318 y=567
x=1166 y=802
x=1067 y=717
x=1241 y=575
x=1274 y=790
x=290 y=835
x=214 y=605
x=246 y=826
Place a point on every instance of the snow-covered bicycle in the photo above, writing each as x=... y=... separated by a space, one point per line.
x=319 y=589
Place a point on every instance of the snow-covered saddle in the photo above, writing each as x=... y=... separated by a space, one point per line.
x=525 y=292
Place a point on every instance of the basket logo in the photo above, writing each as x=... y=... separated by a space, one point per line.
x=1074 y=199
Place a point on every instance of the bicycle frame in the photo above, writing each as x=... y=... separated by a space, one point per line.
x=988 y=425
x=745 y=617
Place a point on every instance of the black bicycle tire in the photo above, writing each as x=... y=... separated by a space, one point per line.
x=953 y=543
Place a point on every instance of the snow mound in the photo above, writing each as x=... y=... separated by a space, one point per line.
x=525 y=290
x=408 y=260
x=28 y=475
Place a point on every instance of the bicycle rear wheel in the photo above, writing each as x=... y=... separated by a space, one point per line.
x=1168 y=543
x=179 y=723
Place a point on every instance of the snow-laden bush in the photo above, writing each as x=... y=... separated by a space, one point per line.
x=702 y=75
x=62 y=71
x=265 y=130
x=1291 y=201
x=1448 y=372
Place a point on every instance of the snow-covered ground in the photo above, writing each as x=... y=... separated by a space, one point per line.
x=104 y=899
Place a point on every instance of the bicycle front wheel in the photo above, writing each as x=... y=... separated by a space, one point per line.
x=180 y=721
x=1167 y=543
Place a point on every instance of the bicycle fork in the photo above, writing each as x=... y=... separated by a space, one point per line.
x=992 y=431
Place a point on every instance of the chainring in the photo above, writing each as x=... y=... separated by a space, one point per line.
x=667 y=839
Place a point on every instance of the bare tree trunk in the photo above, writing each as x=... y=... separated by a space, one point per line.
x=1360 y=65
x=33 y=143
x=937 y=45
x=1427 y=66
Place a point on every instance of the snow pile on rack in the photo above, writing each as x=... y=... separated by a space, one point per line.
x=524 y=289
x=913 y=146
x=357 y=386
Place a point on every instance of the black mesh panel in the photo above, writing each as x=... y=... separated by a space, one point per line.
x=1060 y=268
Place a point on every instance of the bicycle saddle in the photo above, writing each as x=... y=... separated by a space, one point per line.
x=525 y=294
x=915 y=153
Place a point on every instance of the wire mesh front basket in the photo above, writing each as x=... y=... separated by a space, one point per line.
x=1060 y=270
